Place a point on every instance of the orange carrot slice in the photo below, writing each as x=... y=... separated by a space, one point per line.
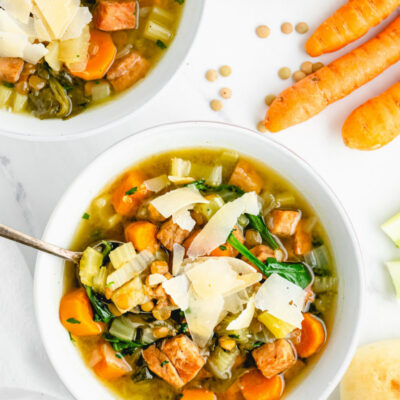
x=197 y=394
x=142 y=234
x=256 y=386
x=312 y=336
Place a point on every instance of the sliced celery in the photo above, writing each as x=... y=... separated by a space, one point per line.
x=123 y=329
x=19 y=102
x=392 y=229
x=162 y=16
x=229 y=157
x=215 y=176
x=180 y=167
x=99 y=280
x=394 y=270
x=155 y=31
x=122 y=255
x=215 y=202
x=324 y=284
x=318 y=258
x=89 y=265
x=5 y=94
x=285 y=199
x=221 y=362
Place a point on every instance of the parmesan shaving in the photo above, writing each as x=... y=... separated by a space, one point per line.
x=156 y=279
x=184 y=219
x=8 y=24
x=245 y=317
x=34 y=52
x=82 y=18
x=18 y=9
x=178 y=289
x=180 y=180
x=177 y=259
x=175 y=200
x=219 y=227
x=12 y=44
x=202 y=317
x=282 y=299
x=52 y=56
x=157 y=184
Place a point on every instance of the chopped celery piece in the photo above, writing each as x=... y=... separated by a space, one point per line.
x=285 y=199
x=5 y=94
x=123 y=329
x=122 y=255
x=277 y=327
x=324 y=284
x=215 y=202
x=180 y=167
x=392 y=229
x=147 y=336
x=99 y=280
x=19 y=102
x=221 y=362
x=163 y=16
x=394 y=271
x=89 y=265
x=101 y=91
x=229 y=157
x=318 y=258
x=155 y=31
x=215 y=176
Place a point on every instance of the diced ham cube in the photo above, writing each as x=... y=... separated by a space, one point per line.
x=274 y=358
x=115 y=15
x=246 y=177
x=127 y=70
x=283 y=223
x=171 y=233
x=184 y=355
x=10 y=69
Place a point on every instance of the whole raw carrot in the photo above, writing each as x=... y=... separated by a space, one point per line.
x=314 y=93
x=349 y=23
x=375 y=123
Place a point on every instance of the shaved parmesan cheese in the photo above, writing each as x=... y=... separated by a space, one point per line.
x=175 y=200
x=157 y=184
x=57 y=15
x=34 y=52
x=18 y=9
x=8 y=24
x=282 y=299
x=178 y=289
x=234 y=303
x=244 y=319
x=218 y=228
x=213 y=277
x=82 y=18
x=184 y=219
x=12 y=44
x=180 y=180
x=202 y=317
x=40 y=30
x=156 y=279
x=52 y=56
x=177 y=259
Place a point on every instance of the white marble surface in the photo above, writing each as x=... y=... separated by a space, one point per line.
x=33 y=176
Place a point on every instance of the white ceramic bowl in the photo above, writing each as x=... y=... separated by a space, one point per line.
x=48 y=288
x=95 y=119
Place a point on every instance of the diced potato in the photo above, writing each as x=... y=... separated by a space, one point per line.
x=277 y=327
x=130 y=295
x=215 y=202
x=74 y=52
x=122 y=255
x=19 y=102
x=5 y=94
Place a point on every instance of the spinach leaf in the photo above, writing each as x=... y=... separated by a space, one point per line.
x=122 y=346
x=296 y=273
x=227 y=192
x=99 y=305
x=258 y=224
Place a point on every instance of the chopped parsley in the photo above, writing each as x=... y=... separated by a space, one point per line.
x=70 y=337
x=73 y=321
x=184 y=327
x=107 y=247
x=118 y=355
x=8 y=85
x=180 y=2
x=110 y=283
x=85 y=216
x=122 y=347
x=233 y=336
x=257 y=344
x=161 y=44
x=131 y=191
x=164 y=362
x=223 y=248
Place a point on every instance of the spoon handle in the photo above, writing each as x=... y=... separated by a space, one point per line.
x=12 y=234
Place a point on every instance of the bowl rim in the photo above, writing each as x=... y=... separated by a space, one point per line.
x=114 y=121
x=351 y=344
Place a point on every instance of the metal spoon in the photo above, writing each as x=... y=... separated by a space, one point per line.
x=16 y=236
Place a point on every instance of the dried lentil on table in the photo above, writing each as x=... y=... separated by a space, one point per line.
x=284 y=73
x=211 y=75
x=225 y=93
x=301 y=28
x=263 y=31
x=225 y=70
x=287 y=28
x=216 y=105
x=269 y=99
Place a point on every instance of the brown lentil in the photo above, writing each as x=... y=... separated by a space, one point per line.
x=316 y=66
x=269 y=99
x=225 y=70
x=161 y=312
x=287 y=28
x=216 y=105
x=261 y=127
x=161 y=332
x=211 y=75
x=284 y=73
x=226 y=93
x=36 y=83
x=306 y=67
x=298 y=76
x=147 y=307
x=227 y=343
x=301 y=28
x=263 y=31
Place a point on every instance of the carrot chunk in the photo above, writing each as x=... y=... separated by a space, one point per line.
x=76 y=314
x=256 y=387
x=127 y=196
x=197 y=394
x=246 y=177
x=102 y=53
x=226 y=249
x=312 y=336
x=107 y=365
x=142 y=234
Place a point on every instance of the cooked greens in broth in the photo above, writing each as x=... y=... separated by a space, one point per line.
x=204 y=275
x=57 y=64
